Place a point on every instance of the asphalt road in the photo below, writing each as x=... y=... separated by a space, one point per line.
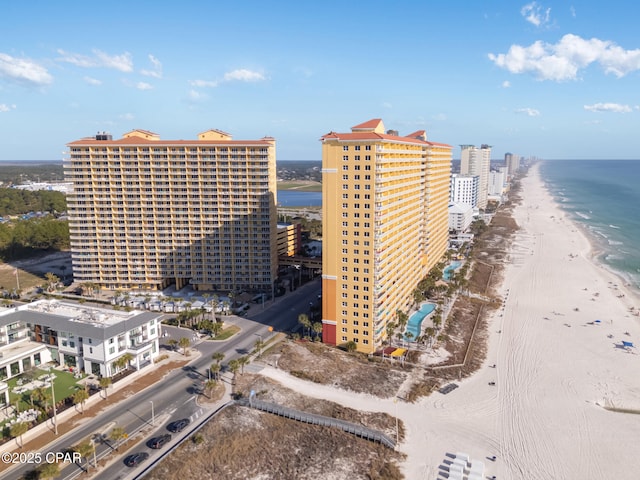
x=174 y=397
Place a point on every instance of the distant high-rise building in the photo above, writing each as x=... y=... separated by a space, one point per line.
x=497 y=181
x=385 y=225
x=477 y=161
x=512 y=162
x=464 y=189
x=146 y=213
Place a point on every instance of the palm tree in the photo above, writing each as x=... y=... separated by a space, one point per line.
x=52 y=281
x=173 y=343
x=48 y=470
x=105 y=383
x=233 y=365
x=41 y=396
x=80 y=397
x=303 y=319
x=317 y=329
x=216 y=328
x=218 y=357
x=258 y=346
x=17 y=430
x=85 y=449
x=209 y=385
x=184 y=343
x=215 y=370
x=243 y=361
x=117 y=434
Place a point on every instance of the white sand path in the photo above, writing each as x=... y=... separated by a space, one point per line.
x=554 y=366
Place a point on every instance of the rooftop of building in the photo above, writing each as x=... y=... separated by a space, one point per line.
x=81 y=320
x=374 y=129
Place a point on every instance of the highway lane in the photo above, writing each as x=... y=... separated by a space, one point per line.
x=174 y=397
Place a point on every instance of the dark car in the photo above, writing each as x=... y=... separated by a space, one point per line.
x=179 y=425
x=136 y=459
x=160 y=441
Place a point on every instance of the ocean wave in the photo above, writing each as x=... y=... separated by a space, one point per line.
x=615 y=242
x=614 y=226
x=583 y=215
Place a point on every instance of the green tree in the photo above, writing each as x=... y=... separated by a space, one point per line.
x=303 y=319
x=105 y=383
x=173 y=343
x=244 y=360
x=79 y=397
x=215 y=370
x=350 y=346
x=184 y=343
x=85 y=449
x=218 y=357
x=317 y=329
x=48 y=470
x=17 y=430
x=209 y=385
x=52 y=281
x=117 y=434
x=233 y=365
x=259 y=345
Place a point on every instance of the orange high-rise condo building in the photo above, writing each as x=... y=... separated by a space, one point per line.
x=385 y=225
x=146 y=213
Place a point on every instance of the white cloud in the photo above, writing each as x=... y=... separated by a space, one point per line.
x=195 y=96
x=572 y=9
x=204 y=83
x=387 y=105
x=92 y=81
x=24 y=71
x=157 y=68
x=534 y=14
x=127 y=116
x=144 y=86
x=123 y=62
x=608 y=107
x=240 y=75
x=243 y=75
x=563 y=60
x=506 y=84
x=5 y=108
x=531 y=112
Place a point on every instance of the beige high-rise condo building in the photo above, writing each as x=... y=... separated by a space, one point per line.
x=385 y=225
x=477 y=161
x=146 y=213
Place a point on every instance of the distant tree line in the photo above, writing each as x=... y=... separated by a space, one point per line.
x=25 y=238
x=22 y=172
x=15 y=201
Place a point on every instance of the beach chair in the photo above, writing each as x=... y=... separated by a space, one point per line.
x=462 y=456
x=477 y=468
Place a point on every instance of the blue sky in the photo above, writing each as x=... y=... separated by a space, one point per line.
x=545 y=79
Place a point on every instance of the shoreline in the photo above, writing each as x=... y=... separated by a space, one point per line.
x=594 y=252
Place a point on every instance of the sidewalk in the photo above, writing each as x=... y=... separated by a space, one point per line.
x=37 y=438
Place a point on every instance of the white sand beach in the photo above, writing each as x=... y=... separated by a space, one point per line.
x=558 y=362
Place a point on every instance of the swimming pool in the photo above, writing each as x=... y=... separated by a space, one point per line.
x=415 y=320
x=446 y=274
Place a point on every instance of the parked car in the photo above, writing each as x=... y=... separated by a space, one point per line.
x=136 y=459
x=160 y=441
x=179 y=425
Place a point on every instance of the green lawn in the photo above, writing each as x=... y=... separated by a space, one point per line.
x=64 y=385
x=227 y=333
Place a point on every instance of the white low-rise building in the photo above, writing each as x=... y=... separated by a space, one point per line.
x=460 y=216
x=87 y=338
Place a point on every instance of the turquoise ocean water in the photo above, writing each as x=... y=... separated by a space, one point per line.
x=604 y=197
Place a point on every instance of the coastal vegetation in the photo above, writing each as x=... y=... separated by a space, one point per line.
x=14 y=201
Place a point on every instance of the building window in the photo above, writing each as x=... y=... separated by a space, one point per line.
x=345 y=148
